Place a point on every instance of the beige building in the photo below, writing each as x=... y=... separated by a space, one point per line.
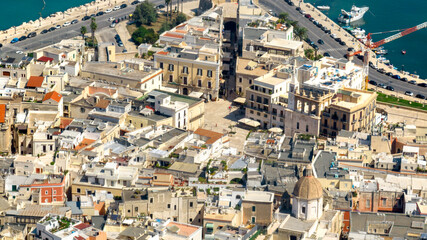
x=192 y=58
x=257 y=208
x=247 y=70
x=160 y=202
x=351 y=110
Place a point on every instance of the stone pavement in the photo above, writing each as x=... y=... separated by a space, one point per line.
x=219 y=118
x=412 y=117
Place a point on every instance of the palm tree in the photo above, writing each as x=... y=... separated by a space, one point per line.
x=300 y=32
x=167 y=2
x=284 y=16
x=83 y=31
x=93 y=27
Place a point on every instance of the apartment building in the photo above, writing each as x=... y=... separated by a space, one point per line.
x=192 y=58
x=266 y=91
x=351 y=110
x=257 y=208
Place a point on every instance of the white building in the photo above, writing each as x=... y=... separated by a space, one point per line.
x=177 y=110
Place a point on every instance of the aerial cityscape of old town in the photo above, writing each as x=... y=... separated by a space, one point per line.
x=211 y=119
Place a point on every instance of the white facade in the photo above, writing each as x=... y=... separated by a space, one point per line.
x=152 y=82
x=177 y=110
x=307 y=209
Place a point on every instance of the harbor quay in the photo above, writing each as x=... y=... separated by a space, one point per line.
x=349 y=39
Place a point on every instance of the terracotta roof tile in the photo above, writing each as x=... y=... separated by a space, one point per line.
x=82 y=226
x=108 y=91
x=64 y=122
x=172 y=35
x=184 y=229
x=45 y=59
x=213 y=136
x=52 y=95
x=102 y=103
x=2 y=113
x=35 y=81
x=84 y=143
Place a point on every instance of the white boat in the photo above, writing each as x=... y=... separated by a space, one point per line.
x=355 y=14
x=323 y=7
x=358 y=33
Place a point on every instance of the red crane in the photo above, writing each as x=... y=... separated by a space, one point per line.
x=368 y=46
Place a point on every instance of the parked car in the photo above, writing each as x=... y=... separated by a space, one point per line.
x=134 y=2
x=116 y=8
x=372 y=82
x=422 y=84
x=85 y=18
x=99 y=13
x=420 y=96
x=382 y=85
x=52 y=29
x=413 y=82
x=396 y=77
x=409 y=93
x=123 y=6
x=113 y=25
x=31 y=34
x=44 y=31
x=74 y=21
x=381 y=70
x=342 y=43
x=15 y=40
x=66 y=24
x=22 y=38
x=404 y=79
x=320 y=41
x=58 y=26
x=110 y=19
x=110 y=10
x=389 y=74
x=326 y=54
x=390 y=88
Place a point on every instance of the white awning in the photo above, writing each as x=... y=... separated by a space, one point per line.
x=240 y=100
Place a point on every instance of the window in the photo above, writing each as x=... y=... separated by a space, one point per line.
x=209 y=84
x=209 y=73
x=54 y=199
x=240 y=79
x=174 y=207
x=199 y=83
x=253 y=219
x=169 y=206
x=185 y=80
x=306 y=128
x=170 y=78
x=303 y=210
x=253 y=208
x=82 y=110
x=297 y=125
x=185 y=70
x=368 y=203
x=170 y=67
x=151 y=200
x=191 y=220
x=384 y=201
x=128 y=210
x=293 y=237
x=191 y=204
x=161 y=65
x=54 y=191
x=136 y=209
x=78 y=190
x=199 y=72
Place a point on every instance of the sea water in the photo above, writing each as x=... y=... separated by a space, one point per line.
x=387 y=15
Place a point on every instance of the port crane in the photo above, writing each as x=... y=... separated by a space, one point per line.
x=369 y=45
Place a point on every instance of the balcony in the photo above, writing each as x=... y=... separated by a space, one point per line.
x=335 y=117
x=326 y=114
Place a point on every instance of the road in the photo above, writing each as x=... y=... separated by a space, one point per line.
x=43 y=40
x=334 y=48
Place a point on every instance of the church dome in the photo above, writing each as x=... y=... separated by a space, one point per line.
x=308 y=187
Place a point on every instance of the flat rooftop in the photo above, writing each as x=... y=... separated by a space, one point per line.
x=258 y=196
x=112 y=69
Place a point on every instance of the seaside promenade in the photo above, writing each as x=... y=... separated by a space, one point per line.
x=58 y=19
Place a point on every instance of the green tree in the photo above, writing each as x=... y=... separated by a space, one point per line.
x=300 y=32
x=145 y=13
x=83 y=31
x=144 y=35
x=284 y=16
x=165 y=27
x=180 y=18
x=93 y=27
